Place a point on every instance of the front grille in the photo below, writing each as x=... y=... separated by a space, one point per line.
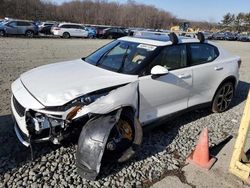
x=19 y=108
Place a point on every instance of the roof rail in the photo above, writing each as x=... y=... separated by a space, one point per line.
x=168 y=35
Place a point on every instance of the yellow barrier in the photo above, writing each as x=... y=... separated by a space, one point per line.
x=240 y=164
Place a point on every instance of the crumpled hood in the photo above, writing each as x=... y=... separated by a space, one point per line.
x=59 y=83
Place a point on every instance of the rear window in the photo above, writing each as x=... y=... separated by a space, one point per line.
x=48 y=24
x=202 y=53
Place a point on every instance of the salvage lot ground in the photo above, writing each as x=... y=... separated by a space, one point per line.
x=163 y=151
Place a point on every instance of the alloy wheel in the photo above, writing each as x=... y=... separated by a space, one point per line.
x=225 y=97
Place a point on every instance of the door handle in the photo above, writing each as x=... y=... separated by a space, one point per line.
x=218 y=68
x=183 y=76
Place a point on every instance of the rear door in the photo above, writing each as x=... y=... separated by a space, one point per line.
x=71 y=29
x=208 y=72
x=164 y=95
x=22 y=27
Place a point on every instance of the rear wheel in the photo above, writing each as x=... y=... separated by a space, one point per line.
x=66 y=35
x=29 y=34
x=223 y=97
x=2 y=33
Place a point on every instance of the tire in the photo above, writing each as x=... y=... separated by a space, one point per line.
x=29 y=34
x=66 y=35
x=125 y=149
x=223 y=97
x=2 y=33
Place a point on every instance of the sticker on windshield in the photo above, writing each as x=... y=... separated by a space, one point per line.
x=147 y=47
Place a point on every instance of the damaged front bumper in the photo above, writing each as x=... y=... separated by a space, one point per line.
x=21 y=136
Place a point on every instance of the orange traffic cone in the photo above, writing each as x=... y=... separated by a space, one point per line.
x=200 y=156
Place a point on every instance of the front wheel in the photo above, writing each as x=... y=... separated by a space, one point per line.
x=2 y=33
x=124 y=139
x=223 y=97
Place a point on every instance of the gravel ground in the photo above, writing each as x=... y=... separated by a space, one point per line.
x=163 y=150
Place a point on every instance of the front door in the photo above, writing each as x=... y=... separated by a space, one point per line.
x=11 y=28
x=168 y=93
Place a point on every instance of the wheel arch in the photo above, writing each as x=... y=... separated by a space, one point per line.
x=29 y=30
x=93 y=139
x=227 y=79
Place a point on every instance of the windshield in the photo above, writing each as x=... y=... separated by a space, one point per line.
x=121 y=56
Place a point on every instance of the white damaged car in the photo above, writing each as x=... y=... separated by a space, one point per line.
x=107 y=97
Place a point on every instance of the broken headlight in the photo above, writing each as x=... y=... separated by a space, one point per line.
x=80 y=101
x=85 y=100
x=37 y=122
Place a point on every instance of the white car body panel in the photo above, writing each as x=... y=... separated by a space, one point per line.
x=164 y=95
x=59 y=83
x=222 y=67
x=120 y=97
x=24 y=97
x=72 y=31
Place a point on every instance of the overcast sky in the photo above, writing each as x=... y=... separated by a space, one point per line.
x=200 y=10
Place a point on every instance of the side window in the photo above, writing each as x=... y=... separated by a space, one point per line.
x=113 y=30
x=172 y=57
x=12 y=24
x=119 y=31
x=202 y=53
x=23 y=24
x=76 y=27
x=65 y=26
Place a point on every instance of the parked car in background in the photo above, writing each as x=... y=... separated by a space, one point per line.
x=18 y=27
x=92 y=32
x=208 y=35
x=218 y=36
x=99 y=31
x=244 y=37
x=114 y=33
x=67 y=30
x=229 y=36
x=45 y=27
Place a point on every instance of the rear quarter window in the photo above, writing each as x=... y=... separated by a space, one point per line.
x=201 y=53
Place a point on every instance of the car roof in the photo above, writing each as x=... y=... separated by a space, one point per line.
x=69 y=24
x=159 y=42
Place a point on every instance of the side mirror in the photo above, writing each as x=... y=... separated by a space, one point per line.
x=159 y=70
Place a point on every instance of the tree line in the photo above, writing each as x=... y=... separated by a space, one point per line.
x=236 y=22
x=103 y=12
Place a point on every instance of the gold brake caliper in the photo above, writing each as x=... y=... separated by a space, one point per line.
x=125 y=129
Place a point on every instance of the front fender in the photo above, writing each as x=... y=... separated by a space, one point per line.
x=92 y=142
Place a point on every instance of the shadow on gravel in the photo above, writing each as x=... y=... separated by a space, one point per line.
x=241 y=93
x=14 y=155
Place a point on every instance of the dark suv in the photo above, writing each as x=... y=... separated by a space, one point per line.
x=114 y=33
x=18 y=27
